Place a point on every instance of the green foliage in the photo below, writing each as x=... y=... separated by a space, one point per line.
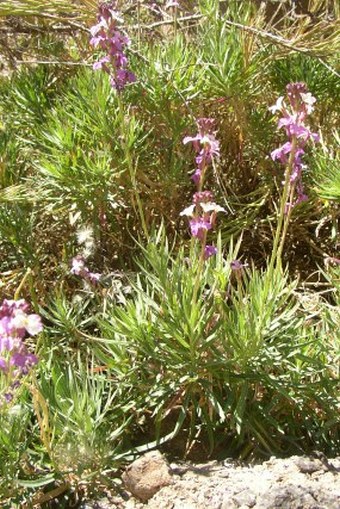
x=231 y=359
x=14 y=441
x=86 y=421
x=326 y=172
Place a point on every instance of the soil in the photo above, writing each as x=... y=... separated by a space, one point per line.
x=298 y=482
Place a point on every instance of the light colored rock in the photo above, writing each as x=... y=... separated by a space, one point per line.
x=289 y=496
x=244 y=498
x=291 y=483
x=147 y=475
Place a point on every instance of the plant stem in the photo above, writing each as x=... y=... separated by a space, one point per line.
x=286 y=222
x=199 y=269
x=23 y=281
x=175 y=14
x=283 y=218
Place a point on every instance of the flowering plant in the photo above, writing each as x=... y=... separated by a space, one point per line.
x=293 y=120
x=15 y=359
x=300 y=105
x=106 y=36
x=203 y=211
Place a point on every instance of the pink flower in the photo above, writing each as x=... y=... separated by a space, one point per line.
x=237 y=266
x=23 y=359
x=31 y=323
x=204 y=143
x=331 y=260
x=9 y=306
x=106 y=36
x=122 y=78
x=78 y=265
x=301 y=103
x=199 y=226
x=102 y=64
x=294 y=127
x=79 y=269
x=280 y=154
x=15 y=324
x=196 y=177
x=202 y=197
x=209 y=251
x=203 y=210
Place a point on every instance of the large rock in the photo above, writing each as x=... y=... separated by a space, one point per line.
x=291 y=483
x=147 y=475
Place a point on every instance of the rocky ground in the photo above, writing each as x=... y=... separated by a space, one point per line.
x=293 y=483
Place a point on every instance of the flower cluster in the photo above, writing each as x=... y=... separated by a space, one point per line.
x=203 y=211
x=206 y=147
x=79 y=269
x=300 y=105
x=106 y=36
x=15 y=325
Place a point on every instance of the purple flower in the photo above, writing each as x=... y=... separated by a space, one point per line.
x=203 y=210
x=106 y=36
x=294 y=91
x=9 y=306
x=193 y=139
x=199 y=226
x=31 y=323
x=301 y=103
x=122 y=78
x=281 y=153
x=107 y=11
x=209 y=251
x=206 y=125
x=101 y=64
x=301 y=196
x=78 y=265
x=15 y=324
x=294 y=127
x=79 y=269
x=94 y=277
x=237 y=266
x=6 y=327
x=8 y=397
x=296 y=173
x=196 y=177
x=205 y=145
x=23 y=359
